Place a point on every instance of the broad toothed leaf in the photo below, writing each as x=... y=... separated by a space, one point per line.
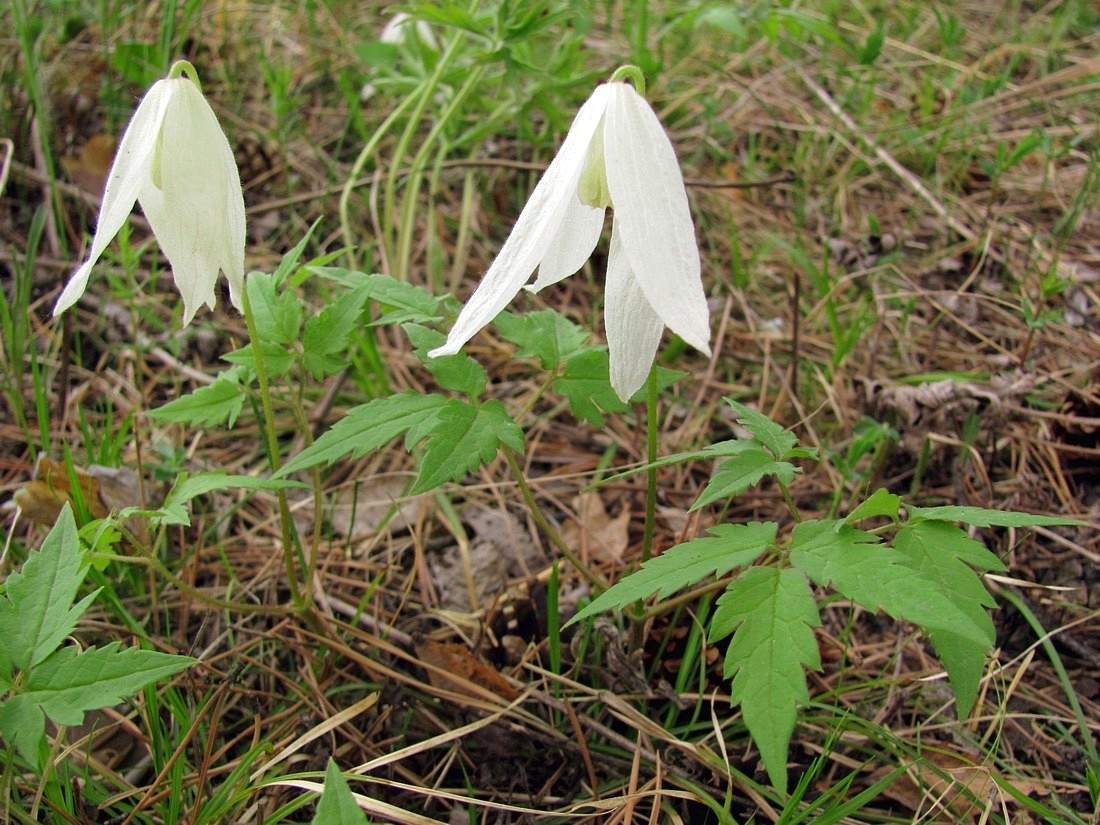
x=945 y=554
x=460 y=438
x=778 y=441
x=546 y=335
x=877 y=577
x=729 y=546
x=36 y=610
x=458 y=372
x=366 y=428
x=980 y=517
x=771 y=614
x=737 y=474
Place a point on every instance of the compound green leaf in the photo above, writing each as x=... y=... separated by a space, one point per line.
x=211 y=406
x=737 y=474
x=980 y=517
x=880 y=503
x=877 y=577
x=72 y=681
x=729 y=546
x=37 y=611
x=945 y=554
x=586 y=382
x=458 y=372
x=546 y=335
x=325 y=335
x=460 y=437
x=367 y=427
x=771 y=614
x=777 y=440
x=278 y=315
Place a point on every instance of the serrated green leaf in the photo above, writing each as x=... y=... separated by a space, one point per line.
x=946 y=554
x=880 y=503
x=37 y=610
x=412 y=303
x=771 y=614
x=188 y=488
x=980 y=517
x=291 y=258
x=278 y=359
x=278 y=315
x=337 y=804
x=586 y=383
x=737 y=474
x=325 y=335
x=727 y=547
x=458 y=372
x=72 y=681
x=211 y=406
x=366 y=428
x=878 y=577
x=546 y=335
x=777 y=440
x=461 y=438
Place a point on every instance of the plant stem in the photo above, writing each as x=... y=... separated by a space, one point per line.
x=545 y=525
x=651 y=473
x=301 y=603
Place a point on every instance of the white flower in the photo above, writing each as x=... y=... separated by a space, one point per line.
x=174 y=159
x=616 y=154
x=401 y=25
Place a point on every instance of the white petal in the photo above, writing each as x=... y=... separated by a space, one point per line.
x=129 y=170
x=633 y=328
x=652 y=215
x=577 y=236
x=536 y=228
x=198 y=213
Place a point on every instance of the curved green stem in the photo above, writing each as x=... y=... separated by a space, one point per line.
x=182 y=67
x=412 y=184
x=545 y=525
x=357 y=169
x=426 y=91
x=633 y=74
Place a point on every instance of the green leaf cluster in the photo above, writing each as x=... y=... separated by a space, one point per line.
x=39 y=677
x=921 y=568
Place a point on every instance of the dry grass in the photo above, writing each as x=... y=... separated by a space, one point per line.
x=879 y=175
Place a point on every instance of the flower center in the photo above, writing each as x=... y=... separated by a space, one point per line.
x=592 y=188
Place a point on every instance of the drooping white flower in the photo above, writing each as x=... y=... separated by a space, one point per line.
x=175 y=161
x=615 y=154
x=401 y=25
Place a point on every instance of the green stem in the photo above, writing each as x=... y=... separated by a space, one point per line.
x=182 y=67
x=545 y=525
x=651 y=473
x=285 y=523
x=633 y=74
x=357 y=169
x=424 y=96
x=407 y=228
x=1083 y=729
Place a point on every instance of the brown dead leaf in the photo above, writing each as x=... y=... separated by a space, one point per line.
x=949 y=787
x=595 y=531
x=89 y=169
x=455 y=667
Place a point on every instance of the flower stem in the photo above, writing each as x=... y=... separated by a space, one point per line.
x=182 y=67
x=301 y=602
x=651 y=473
x=633 y=74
